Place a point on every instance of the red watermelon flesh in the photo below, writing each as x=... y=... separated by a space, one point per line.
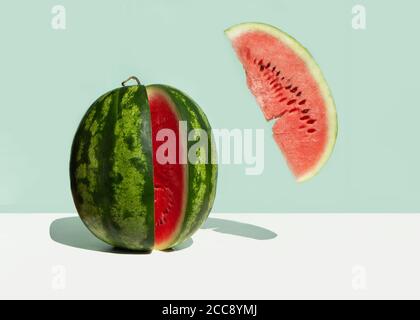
x=289 y=87
x=169 y=179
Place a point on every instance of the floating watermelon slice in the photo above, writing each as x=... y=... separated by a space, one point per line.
x=290 y=88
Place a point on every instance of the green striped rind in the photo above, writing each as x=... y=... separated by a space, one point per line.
x=111 y=169
x=201 y=177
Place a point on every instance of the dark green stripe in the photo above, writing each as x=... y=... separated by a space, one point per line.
x=104 y=195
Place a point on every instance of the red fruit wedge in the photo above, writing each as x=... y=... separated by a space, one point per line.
x=290 y=88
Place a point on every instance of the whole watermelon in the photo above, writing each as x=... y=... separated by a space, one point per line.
x=131 y=187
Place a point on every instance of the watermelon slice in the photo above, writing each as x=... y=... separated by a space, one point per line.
x=169 y=179
x=290 y=89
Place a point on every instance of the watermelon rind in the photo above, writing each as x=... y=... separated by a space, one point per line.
x=111 y=170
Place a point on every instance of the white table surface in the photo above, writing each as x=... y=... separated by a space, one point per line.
x=249 y=256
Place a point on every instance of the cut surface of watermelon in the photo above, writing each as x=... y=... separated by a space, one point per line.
x=169 y=178
x=289 y=88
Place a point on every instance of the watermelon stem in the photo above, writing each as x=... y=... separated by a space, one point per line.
x=131 y=78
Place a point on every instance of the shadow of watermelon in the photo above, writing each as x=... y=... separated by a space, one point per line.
x=239 y=229
x=72 y=232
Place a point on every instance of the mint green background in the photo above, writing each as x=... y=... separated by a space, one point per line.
x=49 y=78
